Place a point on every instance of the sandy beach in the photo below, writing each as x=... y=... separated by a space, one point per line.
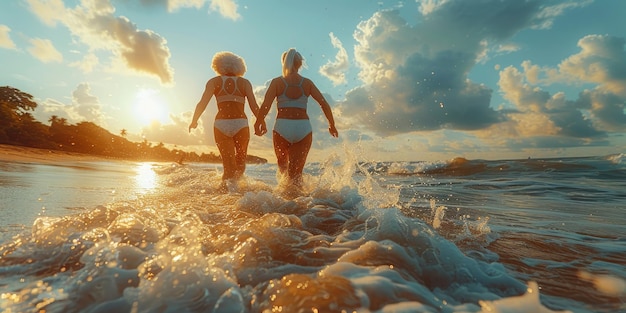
x=34 y=155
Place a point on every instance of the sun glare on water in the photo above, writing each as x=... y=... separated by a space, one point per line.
x=150 y=107
x=146 y=178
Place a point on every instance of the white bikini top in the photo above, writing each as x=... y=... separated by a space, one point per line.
x=285 y=102
x=229 y=96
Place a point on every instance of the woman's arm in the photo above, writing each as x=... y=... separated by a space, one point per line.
x=249 y=93
x=270 y=95
x=328 y=112
x=259 y=126
x=202 y=104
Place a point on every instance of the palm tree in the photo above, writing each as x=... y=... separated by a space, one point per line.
x=123 y=133
x=53 y=120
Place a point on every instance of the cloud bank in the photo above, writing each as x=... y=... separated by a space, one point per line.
x=84 y=106
x=95 y=25
x=600 y=63
x=416 y=77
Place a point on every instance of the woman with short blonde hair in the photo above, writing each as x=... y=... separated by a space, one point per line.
x=292 y=134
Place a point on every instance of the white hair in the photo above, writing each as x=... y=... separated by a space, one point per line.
x=228 y=63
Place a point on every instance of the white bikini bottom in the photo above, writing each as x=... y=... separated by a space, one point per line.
x=230 y=127
x=293 y=130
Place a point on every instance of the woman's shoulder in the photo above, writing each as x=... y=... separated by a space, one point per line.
x=243 y=82
x=307 y=83
x=243 y=79
x=214 y=80
x=277 y=80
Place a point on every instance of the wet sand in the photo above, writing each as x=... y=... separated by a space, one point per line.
x=10 y=153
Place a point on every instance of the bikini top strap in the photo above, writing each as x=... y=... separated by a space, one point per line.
x=224 y=78
x=286 y=86
x=299 y=85
x=229 y=96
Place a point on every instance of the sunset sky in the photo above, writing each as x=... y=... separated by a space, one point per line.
x=407 y=80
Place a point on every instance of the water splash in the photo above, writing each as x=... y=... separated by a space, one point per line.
x=344 y=245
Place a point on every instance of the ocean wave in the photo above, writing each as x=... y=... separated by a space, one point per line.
x=342 y=246
x=617 y=158
x=460 y=166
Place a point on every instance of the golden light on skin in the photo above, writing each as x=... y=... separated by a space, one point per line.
x=149 y=107
x=146 y=178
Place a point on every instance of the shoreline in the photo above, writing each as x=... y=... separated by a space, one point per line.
x=22 y=154
x=11 y=153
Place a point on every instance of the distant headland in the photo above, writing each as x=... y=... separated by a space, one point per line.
x=20 y=129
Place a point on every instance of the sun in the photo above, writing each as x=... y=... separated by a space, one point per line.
x=150 y=107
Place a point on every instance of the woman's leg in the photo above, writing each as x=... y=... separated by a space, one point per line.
x=241 y=140
x=298 y=153
x=226 y=145
x=281 y=148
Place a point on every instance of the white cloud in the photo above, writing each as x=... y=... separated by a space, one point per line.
x=86 y=105
x=415 y=77
x=95 y=25
x=383 y=43
x=44 y=51
x=227 y=8
x=507 y=48
x=83 y=106
x=335 y=70
x=49 y=12
x=429 y=6
x=5 y=39
x=88 y=63
x=544 y=120
x=176 y=132
x=550 y=12
x=541 y=114
x=409 y=85
x=602 y=60
x=49 y=107
x=173 y=5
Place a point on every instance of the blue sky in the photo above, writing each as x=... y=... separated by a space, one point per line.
x=407 y=80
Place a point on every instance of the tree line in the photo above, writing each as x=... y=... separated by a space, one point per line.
x=19 y=127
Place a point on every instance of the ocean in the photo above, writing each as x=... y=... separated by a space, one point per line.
x=532 y=235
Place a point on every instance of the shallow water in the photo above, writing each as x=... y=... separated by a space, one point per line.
x=450 y=236
x=30 y=190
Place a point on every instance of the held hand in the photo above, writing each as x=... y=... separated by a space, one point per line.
x=333 y=131
x=260 y=128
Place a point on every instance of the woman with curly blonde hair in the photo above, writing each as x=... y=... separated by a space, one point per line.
x=230 y=128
